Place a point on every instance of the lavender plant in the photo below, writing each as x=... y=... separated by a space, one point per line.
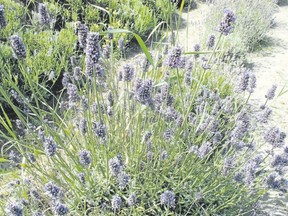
x=196 y=156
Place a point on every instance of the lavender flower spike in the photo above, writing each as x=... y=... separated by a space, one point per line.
x=82 y=32
x=168 y=198
x=18 y=47
x=225 y=26
x=44 y=18
x=92 y=52
x=116 y=202
x=84 y=157
x=271 y=93
x=210 y=41
x=3 y=22
x=173 y=59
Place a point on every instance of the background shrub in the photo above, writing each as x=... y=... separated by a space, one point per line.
x=254 y=18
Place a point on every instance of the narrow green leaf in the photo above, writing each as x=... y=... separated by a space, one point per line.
x=6 y=117
x=139 y=40
x=152 y=32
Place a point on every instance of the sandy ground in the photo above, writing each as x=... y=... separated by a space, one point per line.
x=271 y=67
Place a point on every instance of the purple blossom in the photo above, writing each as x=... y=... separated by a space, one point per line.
x=44 y=18
x=49 y=146
x=82 y=31
x=252 y=83
x=264 y=115
x=128 y=72
x=173 y=58
x=164 y=155
x=18 y=47
x=116 y=202
x=92 y=52
x=147 y=136
x=188 y=78
x=72 y=92
x=53 y=190
x=81 y=177
x=83 y=126
x=144 y=93
x=168 y=135
x=238 y=177
x=168 y=198
x=61 y=209
x=115 y=166
x=123 y=179
x=99 y=129
x=34 y=193
x=279 y=161
x=271 y=93
x=3 y=22
x=14 y=157
x=210 y=41
x=132 y=199
x=65 y=80
x=228 y=19
x=77 y=73
x=107 y=51
x=274 y=181
x=14 y=209
x=204 y=149
x=197 y=48
x=146 y=64
x=275 y=137
x=84 y=157
x=243 y=81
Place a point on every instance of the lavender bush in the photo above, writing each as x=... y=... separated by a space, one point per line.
x=174 y=139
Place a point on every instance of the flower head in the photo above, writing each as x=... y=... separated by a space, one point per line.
x=128 y=72
x=84 y=157
x=271 y=93
x=44 y=18
x=123 y=179
x=61 y=209
x=168 y=198
x=49 y=146
x=53 y=190
x=275 y=137
x=210 y=41
x=14 y=209
x=173 y=59
x=116 y=202
x=18 y=47
x=3 y=22
x=82 y=31
x=132 y=199
x=228 y=19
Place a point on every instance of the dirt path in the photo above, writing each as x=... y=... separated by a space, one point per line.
x=271 y=67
